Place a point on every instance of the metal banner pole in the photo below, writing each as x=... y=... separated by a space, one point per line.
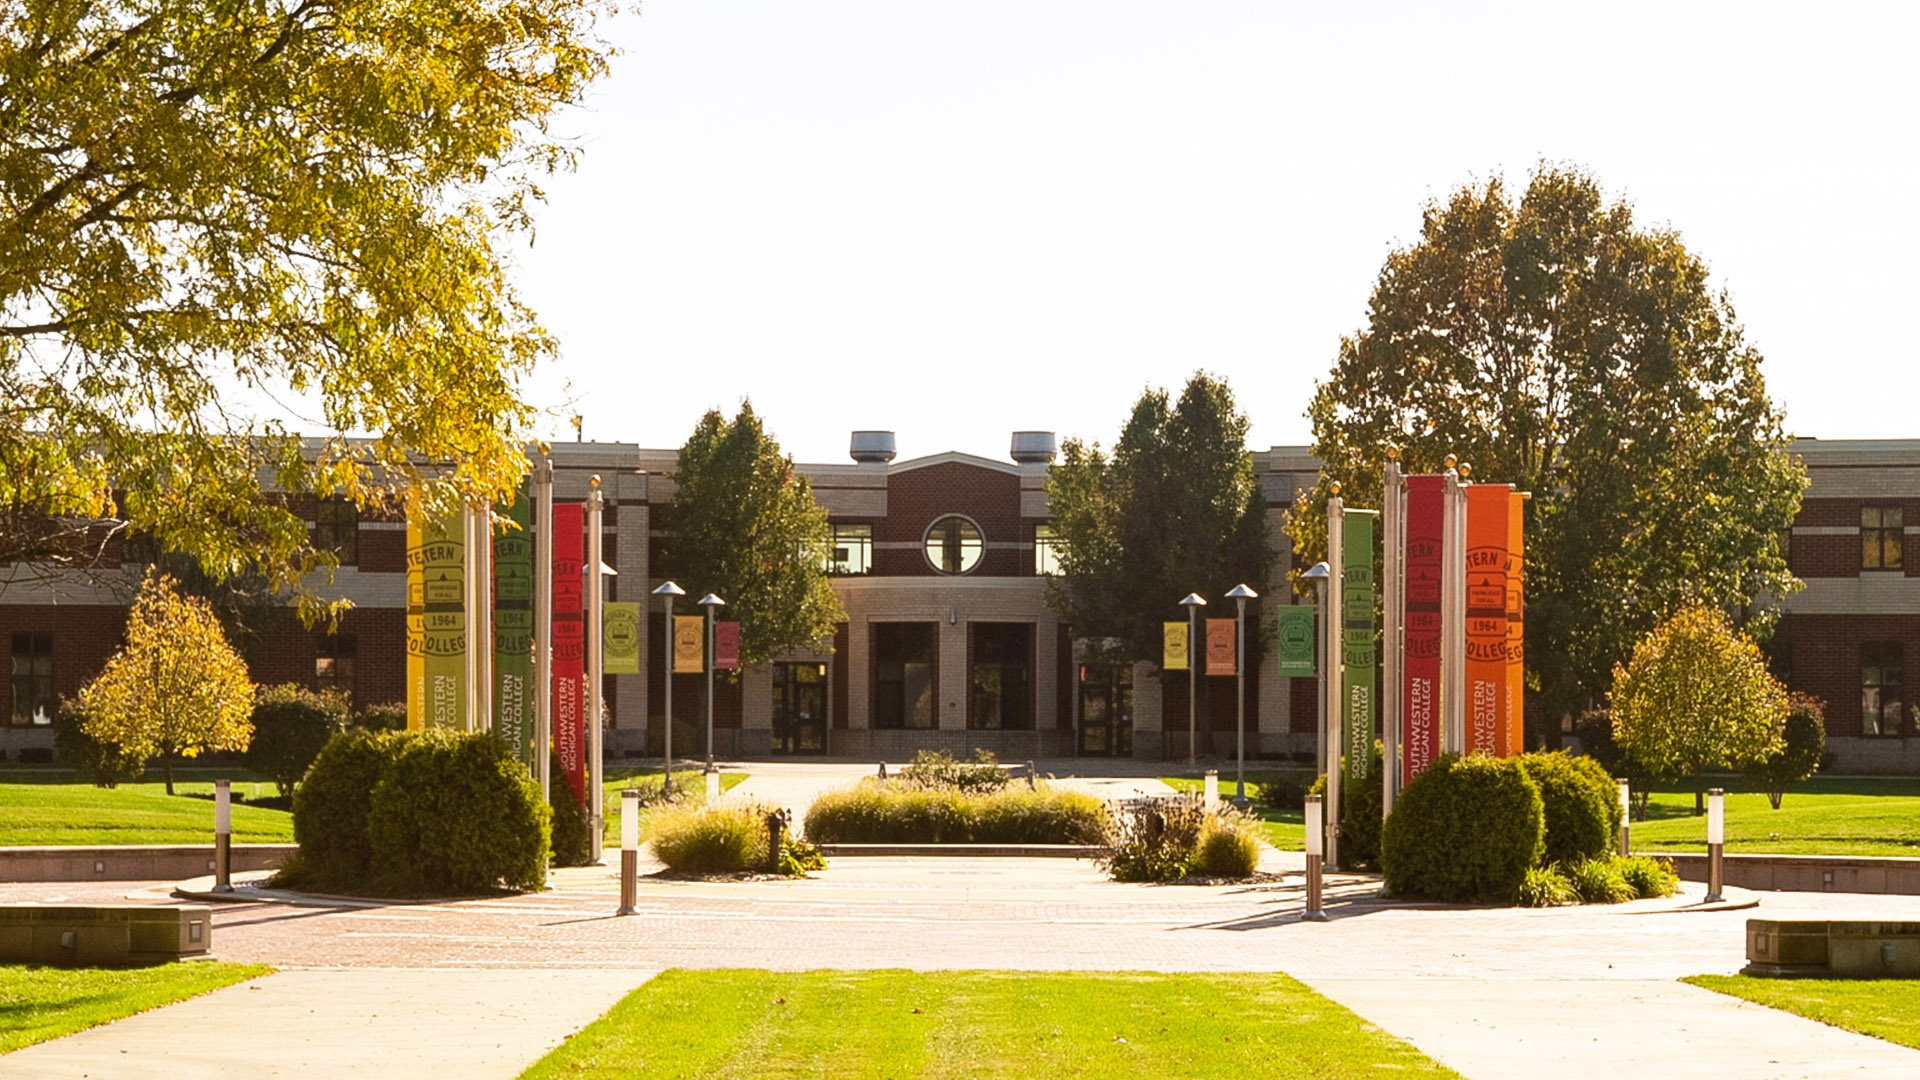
x=1453 y=616
x=1393 y=548
x=1330 y=723
x=596 y=758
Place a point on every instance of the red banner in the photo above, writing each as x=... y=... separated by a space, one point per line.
x=1220 y=647
x=726 y=646
x=1516 y=625
x=1421 y=668
x=1487 y=705
x=570 y=644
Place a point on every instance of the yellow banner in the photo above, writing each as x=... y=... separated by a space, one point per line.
x=1175 y=636
x=689 y=644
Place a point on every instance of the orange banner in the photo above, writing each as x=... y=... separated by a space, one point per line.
x=1220 y=647
x=1488 y=710
x=1516 y=625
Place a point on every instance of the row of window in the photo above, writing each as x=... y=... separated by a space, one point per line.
x=953 y=546
x=999 y=682
x=34 y=700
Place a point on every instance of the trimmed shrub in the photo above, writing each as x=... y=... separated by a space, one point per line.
x=108 y=763
x=1544 y=886
x=686 y=738
x=1467 y=829
x=457 y=814
x=937 y=770
x=1800 y=757
x=1360 y=818
x=386 y=716
x=571 y=834
x=1580 y=804
x=877 y=812
x=1599 y=881
x=290 y=726
x=330 y=811
x=1283 y=793
x=1648 y=875
x=1227 y=848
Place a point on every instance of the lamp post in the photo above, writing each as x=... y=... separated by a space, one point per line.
x=1193 y=603
x=1318 y=575
x=711 y=603
x=1626 y=816
x=667 y=591
x=629 y=852
x=1316 y=853
x=1240 y=594
x=1716 y=842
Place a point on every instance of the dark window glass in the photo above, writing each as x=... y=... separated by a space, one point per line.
x=333 y=664
x=32 y=679
x=1880 y=538
x=1882 y=687
x=903 y=675
x=954 y=545
x=1002 y=673
x=336 y=528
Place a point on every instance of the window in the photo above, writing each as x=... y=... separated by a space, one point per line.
x=333 y=664
x=903 y=675
x=850 y=549
x=1880 y=539
x=954 y=545
x=1002 y=666
x=1046 y=550
x=1881 y=689
x=33 y=678
x=336 y=528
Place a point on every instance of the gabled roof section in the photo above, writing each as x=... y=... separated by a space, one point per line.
x=955 y=457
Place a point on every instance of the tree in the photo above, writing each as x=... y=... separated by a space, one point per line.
x=291 y=725
x=176 y=688
x=1697 y=695
x=1555 y=344
x=743 y=526
x=1804 y=743
x=106 y=762
x=1176 y=509
x=308 y=196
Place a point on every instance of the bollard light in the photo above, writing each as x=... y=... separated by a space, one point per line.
x=1211 y=796
x=1716 y=843
x=629 y=852
x=713 y=784
x=1626 y=815
x=1316 y=841
x=1316 y=848
x=223 y=836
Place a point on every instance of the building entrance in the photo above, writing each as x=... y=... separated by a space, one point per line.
x=1106 y=710
x=799 y=708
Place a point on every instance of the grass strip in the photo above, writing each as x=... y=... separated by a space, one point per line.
x=692 y=781
x=1883 y=1008
x=980 y=1025
x=39 y=1003
x=60 y=809
x=1819 y=817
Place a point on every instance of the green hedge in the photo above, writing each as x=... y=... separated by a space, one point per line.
x=291 y=725
x=418 y=814
x=1580 y=804
x=1467 y=829
x=880 y=812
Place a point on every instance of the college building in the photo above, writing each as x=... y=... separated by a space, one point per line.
x=941 y=564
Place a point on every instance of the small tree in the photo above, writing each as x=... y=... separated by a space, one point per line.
x=1806 y=741
x=290 y=726
x=176 y=688
x=108 y=763
x=1697 y=695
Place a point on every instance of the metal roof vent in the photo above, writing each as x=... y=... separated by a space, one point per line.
x=1034 y=447
x=872 y=447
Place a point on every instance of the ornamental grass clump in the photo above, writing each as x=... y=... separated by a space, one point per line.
x=1171 y=839
x=891 y=812
x=725 y=838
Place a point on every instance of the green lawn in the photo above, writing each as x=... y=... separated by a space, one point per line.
x=693 y=781
x=980 y=1025
x=41 y=1003
x=1286 y=829
x=57 y=807
x=1884 y=1008
x=1819 y=817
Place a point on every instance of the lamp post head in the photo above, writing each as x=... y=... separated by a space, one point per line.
x=1193 y=600
x=668 y=588
x=1241 y=592
x=711 y=601
x=1317 y=572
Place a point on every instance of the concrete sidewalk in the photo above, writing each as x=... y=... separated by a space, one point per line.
x=473 y=1024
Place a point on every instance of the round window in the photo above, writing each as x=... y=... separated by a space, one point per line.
x=954 y=545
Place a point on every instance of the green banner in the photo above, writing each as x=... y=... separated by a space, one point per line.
x=513 y=700
x=1357 y=657
x=442 y=563
x=620 y=638
x=1295 y=631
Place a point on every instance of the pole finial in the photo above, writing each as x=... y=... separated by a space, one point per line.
x=546 y=448
x=1334 y=487
x=594 y=481
x=1452 y=460
x=1466 y=469
x=1393 y=453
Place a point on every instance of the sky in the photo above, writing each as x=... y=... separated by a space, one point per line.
x=958 y=220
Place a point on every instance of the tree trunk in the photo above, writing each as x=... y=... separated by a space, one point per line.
x=1774 y=797
x=1699 y=795
x=166 y=761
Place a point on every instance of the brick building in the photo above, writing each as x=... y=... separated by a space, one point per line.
x=940 y=564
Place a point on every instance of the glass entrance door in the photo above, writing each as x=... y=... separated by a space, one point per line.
x=799 y=708
x=1106 y=710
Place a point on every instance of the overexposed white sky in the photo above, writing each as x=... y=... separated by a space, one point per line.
x=955 y=220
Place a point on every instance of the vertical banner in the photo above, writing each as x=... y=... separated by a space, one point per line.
x=416 y=632
x=1487 y=618
x=620 y=638
x=513 y=630
x=1357 y=654
x=726 y=646
x=1420 y=670
x=1516 y=625
x=570 y=644
x=689 y=644
x=1220 y=647
x=440 y=561
x=1294 y=628
x=1173 y=646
